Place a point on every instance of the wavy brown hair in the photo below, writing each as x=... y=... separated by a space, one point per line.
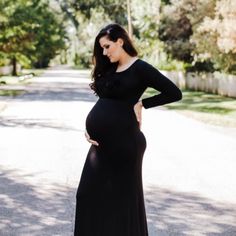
x=102 y=64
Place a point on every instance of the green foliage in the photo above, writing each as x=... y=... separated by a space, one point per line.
x=195 y=35
x=145 y=18
x=115 y=9
x=175 y=31
x=15 y=36
x=50 y=38
x=30 y=31
x=200 y=33
x=85 y=37
x=165 y=2
x=87 y=17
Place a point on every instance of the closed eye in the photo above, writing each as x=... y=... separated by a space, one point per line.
x=106 y=46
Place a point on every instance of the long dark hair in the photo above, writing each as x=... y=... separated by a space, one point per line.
x=102 y=64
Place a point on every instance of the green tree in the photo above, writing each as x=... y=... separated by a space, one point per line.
x=87 y=17
x=175 y=31
x=145 y=22
x=15 y=36
x=201 y=33
x=29 y=31
x=113 y=8
x=50 y=37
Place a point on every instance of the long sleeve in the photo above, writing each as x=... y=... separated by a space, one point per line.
x=169 y=92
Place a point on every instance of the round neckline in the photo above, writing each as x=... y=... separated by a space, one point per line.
x=118 y=72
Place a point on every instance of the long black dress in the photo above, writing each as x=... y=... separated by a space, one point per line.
x=110 y=199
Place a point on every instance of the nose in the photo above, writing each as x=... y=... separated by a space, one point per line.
x=104 y=52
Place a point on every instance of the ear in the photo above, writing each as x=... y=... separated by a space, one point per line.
x=120 y=42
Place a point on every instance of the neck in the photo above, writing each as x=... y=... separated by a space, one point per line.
x=125 y=59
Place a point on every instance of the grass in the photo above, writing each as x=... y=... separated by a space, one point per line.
x=11 y=93
x=11 y=80
x=209 y=108
x=37 y=72
x=15 y=80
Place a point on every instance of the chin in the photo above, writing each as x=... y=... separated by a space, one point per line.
x=112 y=60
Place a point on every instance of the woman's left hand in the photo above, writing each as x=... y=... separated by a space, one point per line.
x=138 y=112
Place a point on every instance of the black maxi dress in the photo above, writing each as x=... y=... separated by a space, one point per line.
x=110 y=200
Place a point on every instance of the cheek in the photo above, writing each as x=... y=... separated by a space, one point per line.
x=114 y=51
x=111 y=50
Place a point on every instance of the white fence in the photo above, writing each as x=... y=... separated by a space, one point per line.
x=217 y=83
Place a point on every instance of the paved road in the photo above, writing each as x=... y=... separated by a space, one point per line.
x=188 y=171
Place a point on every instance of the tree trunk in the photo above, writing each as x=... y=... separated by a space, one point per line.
x=14 y=66
x=130 y=29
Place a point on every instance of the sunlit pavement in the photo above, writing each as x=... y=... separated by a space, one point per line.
x=188 y=170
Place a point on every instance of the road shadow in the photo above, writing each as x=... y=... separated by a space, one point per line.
x=26 y=210
x=56 y=91
x=8 y=121
x=172 y=213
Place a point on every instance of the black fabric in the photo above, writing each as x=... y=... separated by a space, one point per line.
x=110 y=199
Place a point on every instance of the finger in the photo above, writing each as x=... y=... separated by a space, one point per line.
x=93 y=142
x=139 y=116
x=136 y=114
x=87 y=135
x=140 y=124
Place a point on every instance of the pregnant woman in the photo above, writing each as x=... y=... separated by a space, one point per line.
x=110 y=200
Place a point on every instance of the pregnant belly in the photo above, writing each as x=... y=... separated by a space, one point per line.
x=110 y=119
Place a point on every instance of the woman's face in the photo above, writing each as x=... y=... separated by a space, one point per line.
x=113 y=50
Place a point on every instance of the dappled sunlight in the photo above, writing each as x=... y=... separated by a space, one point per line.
x=177 y=213
x=30 y=209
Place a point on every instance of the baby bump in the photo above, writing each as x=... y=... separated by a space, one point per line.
x=110 y=118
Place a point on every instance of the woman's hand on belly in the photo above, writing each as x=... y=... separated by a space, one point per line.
x=138 y=112
x=90 y=140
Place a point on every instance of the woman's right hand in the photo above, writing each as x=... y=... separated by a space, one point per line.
x=90 y=140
